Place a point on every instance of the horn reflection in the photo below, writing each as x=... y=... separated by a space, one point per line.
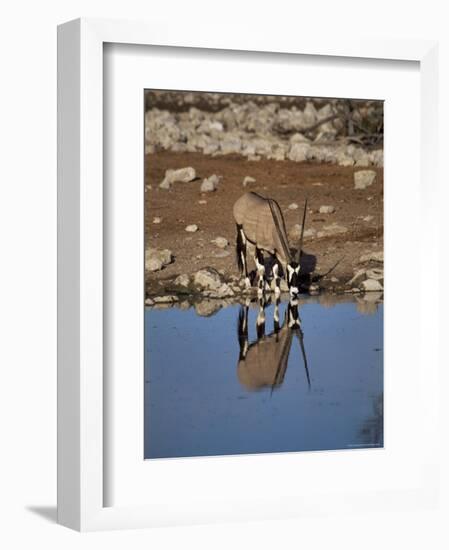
x=263 y=363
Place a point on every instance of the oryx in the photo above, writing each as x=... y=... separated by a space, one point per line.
x=260 y=222
x=263 y=363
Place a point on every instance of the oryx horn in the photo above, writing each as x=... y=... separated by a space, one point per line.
x=302 y=231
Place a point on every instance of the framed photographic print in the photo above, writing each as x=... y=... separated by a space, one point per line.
x=234 y=335
x=233 y=278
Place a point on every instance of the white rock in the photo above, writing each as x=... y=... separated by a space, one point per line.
x=165 y=255
x=247 y=180
x=221 y=242
x=364 y=178
x=325 y=111
x=310 y=114
x=168 y=299
x=165 y=183
x=224 y=291
x=371 y=285
x=156 y=259
x=368 y=218
x=207 y=308
x=209 y=184
x=327 y=209
x=202 y=201
x=359 y=276
x=182 y=175
x=293 y=206
x=343 y=159
x=231 y=144
x=278 y=154
x=157 y=219
x=153 y=264
x=377 y=157
x=182 y=280
x=376 y=274
x=372 y=256
x=298 y=138
x=208 y=278
x=191 y=228
x=363 y=161
x=298 y=152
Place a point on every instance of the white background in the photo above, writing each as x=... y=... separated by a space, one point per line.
x=28 y=270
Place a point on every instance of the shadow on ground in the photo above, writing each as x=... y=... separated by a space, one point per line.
x=47 y=512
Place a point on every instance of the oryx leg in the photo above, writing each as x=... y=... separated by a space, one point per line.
x=260 y=266
x=277 y=279
x=276 y=325
x=241 y=254
x=243 y=331
x=260 y=320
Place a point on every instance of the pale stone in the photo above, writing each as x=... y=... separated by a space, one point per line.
x=359 y=276
x=165 y=299
x=182 y=280
x=376 y=274
x=209 y=184
x=364 y=178
x=247 y=180
x=298 y=152
x=221 y=242
x=207 y=308
x=372 y=256
x=192 y=228
x=327 y=209
x=208 y=278
x=153 y=264
x=157 y=259
x=371 y=285
x=182 y=175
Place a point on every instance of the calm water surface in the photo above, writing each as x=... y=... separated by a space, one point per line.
x=209 y=390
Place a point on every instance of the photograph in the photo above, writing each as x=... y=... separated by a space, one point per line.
x=264 y=274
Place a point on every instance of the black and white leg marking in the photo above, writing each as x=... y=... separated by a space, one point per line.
x=260 y=266
x=277 y=280
x=276 y=325
x=260 y=321
x=241 y=254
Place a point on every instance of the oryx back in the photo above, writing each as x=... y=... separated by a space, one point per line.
x=266 y=361
x=262 y=223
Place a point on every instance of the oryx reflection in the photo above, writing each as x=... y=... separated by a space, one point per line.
x=263 y=363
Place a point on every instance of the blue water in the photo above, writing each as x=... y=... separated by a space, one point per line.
x=198 y=402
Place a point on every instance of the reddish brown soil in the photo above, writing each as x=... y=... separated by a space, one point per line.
x=285 y=181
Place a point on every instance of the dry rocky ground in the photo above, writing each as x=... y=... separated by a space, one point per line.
x=350 y=231
x=204 y=151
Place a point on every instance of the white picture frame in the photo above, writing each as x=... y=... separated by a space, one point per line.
x=81 y=271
